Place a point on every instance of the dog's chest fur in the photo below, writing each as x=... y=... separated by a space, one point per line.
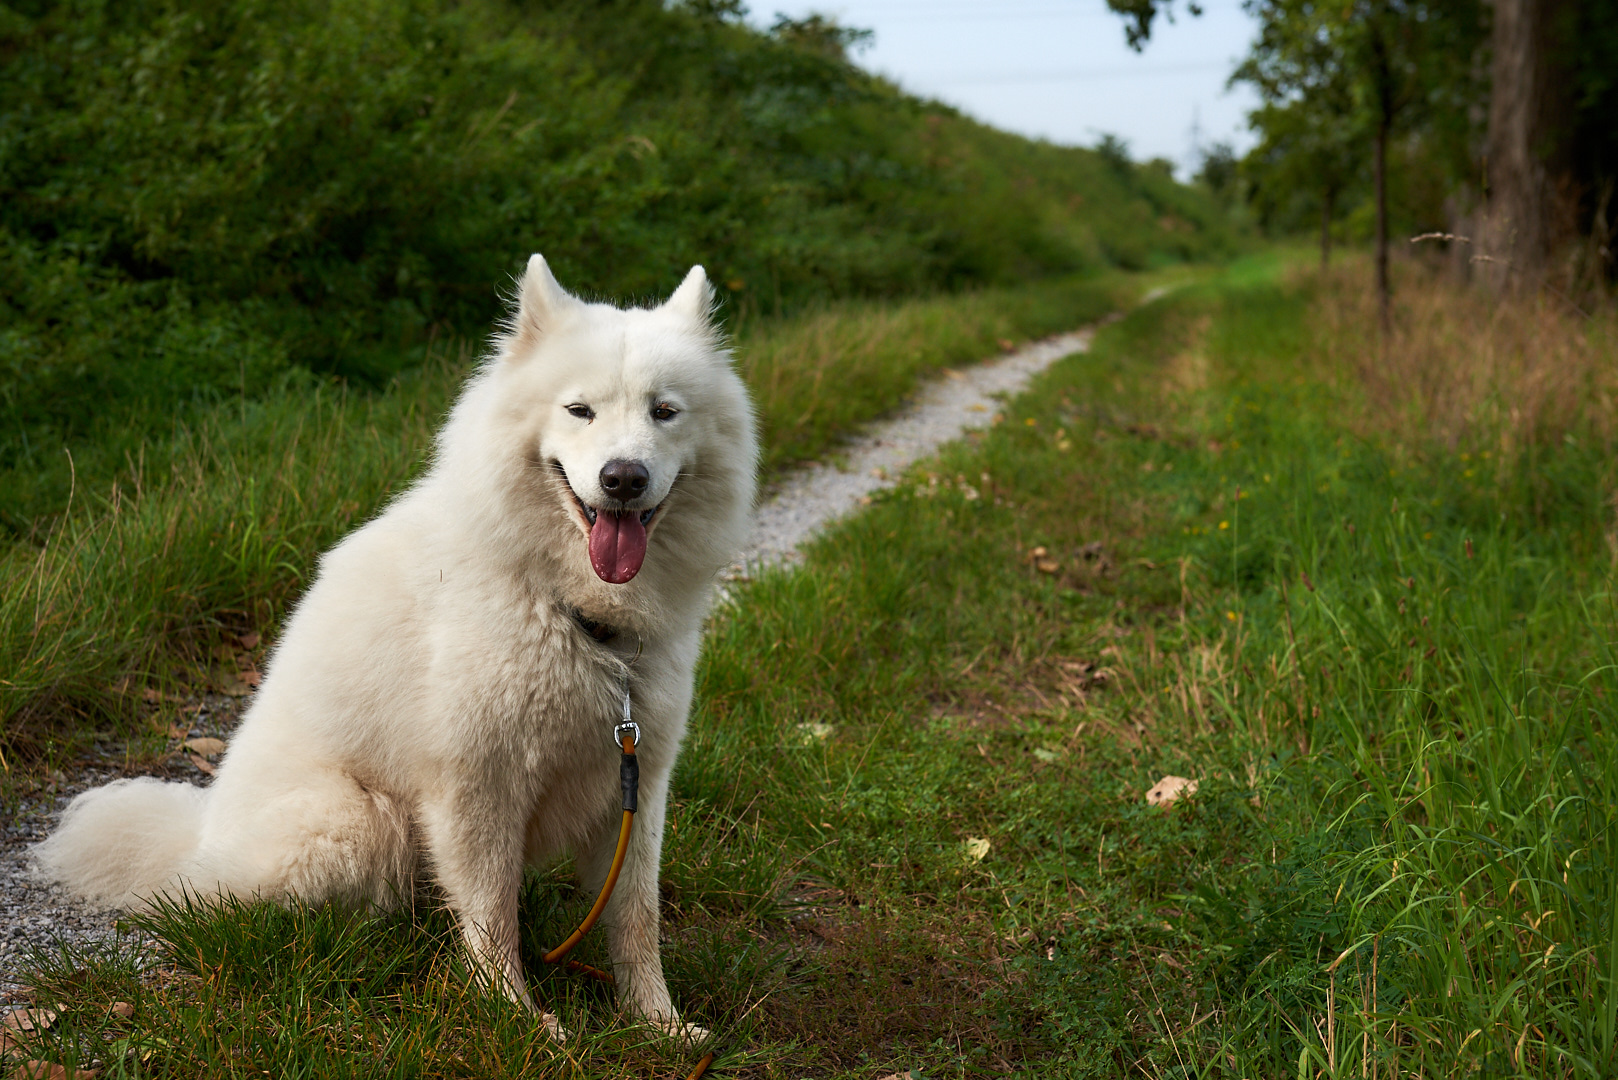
x=551 y=699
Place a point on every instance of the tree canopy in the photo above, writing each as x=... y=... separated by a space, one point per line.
x=1484 y=117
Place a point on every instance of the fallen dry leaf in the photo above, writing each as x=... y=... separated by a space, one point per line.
x=251 y=678
x=1047 y=566
x=976 y=847
x=205 y=747
x=29 y=1019
x=1169 y=790
x=123 y=1009
x=50 y=1070
x=20 y=1020
x=202 y=763
x=234 y=687
x=250 y=640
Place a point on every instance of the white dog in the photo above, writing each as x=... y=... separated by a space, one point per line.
x=449 y=685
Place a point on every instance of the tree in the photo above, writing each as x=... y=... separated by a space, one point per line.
x=822 y=34
x=1333 y=74
x=1529 y=108
x=1139 y=15
x=1299 y=151
x=1220 y=171
x=1347 y=69
x=1309 y=125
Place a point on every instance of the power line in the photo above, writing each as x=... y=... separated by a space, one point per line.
x=929 y=6
x=984 y=16
x=982 y=78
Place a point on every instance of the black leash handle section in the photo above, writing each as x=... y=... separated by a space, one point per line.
x=629 y=779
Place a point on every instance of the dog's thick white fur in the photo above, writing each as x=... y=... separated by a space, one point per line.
x=435 y=695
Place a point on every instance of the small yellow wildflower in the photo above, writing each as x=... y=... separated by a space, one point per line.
x=1231 y=615
x=1224 y=524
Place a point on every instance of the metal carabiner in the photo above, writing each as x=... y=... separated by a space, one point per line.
x=626 y=726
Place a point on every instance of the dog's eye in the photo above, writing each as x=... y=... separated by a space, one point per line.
x=583 y=412
x=664 y=411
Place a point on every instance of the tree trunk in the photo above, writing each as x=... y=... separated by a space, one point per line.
x=1384 y=293
x=1386 y=103
x=1327 y=199
x=1464 y=225
x=1527 y=104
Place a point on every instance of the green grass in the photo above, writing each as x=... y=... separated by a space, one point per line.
x=1393 y=681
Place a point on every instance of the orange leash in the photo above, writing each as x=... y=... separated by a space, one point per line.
x=629 y=777
x=559 y=954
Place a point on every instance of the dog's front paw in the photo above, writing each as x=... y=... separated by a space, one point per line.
x=675 y=1028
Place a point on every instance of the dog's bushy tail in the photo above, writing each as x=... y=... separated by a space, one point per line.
x=124 y=843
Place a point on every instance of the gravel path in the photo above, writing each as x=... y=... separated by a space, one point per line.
x=944 y=410
x=37 y=917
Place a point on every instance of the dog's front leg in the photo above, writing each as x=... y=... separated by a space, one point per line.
x=476 y=851
x=631 y=917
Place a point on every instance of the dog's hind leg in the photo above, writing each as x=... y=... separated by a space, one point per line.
x=631 y=917
x=297 y=831
x=476 y=849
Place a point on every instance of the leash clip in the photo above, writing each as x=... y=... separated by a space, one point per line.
x=626 y=726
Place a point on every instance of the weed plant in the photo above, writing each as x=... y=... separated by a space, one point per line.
x=1497 y=379
x=909 y=832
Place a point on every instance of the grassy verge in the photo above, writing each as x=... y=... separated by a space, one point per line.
x=909 y=829
x=213 y=532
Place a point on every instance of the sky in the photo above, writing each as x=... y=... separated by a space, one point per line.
x=1059 y=69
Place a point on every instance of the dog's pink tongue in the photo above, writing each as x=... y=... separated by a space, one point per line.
x=617 y=546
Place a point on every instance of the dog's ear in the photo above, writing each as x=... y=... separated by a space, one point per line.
x=541 y=302
x=693 y=300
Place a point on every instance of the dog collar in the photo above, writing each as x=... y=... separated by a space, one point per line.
x=597 y=630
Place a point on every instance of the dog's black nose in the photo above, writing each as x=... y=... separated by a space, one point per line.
x=624 y=480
